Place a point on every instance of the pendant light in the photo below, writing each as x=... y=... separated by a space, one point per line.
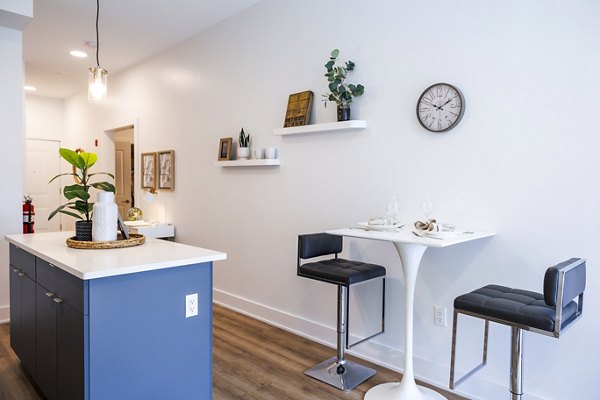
x=97 y=77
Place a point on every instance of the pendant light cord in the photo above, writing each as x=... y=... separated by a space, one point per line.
x=97 y=33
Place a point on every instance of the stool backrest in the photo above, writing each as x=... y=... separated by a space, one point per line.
x=562 y=284
x=318 y=244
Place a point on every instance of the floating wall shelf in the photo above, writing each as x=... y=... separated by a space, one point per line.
x=249 y=163
x=326 y=127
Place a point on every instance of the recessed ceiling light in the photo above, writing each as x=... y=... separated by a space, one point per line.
x=30 y=88
x=78 y=54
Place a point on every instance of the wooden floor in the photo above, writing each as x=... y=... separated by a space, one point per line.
x=251 y=360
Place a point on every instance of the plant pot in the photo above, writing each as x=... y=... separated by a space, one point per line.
x=83 y=231
x=343 y=113
x=243 y=153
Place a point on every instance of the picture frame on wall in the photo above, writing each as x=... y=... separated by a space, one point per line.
x=148 y=170
x=166 y=170
x=225 y=148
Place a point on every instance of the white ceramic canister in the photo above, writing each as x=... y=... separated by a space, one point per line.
x=104 y=226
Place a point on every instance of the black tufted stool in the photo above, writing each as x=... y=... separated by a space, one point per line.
x=337 y=371
x=550 y=313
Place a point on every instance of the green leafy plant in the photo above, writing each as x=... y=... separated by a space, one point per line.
x=78 y=193
x=340 y=91
x=244 y=139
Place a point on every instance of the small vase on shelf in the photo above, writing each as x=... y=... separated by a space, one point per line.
x=343 y=113
x=105 y=217
x=243 y=153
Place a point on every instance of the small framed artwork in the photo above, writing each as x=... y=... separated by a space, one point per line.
x=166 y=170
x=298 y=109
x=225 y=148
x=148 y=171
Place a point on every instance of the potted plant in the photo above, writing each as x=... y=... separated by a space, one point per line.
x=340 y=91
x=244 y=145
x=78 y=195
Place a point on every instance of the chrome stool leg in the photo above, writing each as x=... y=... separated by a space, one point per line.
x=337 y=371
x=516 y=363
x=455 y=382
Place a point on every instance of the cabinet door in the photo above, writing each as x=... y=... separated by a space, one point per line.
x=70 y=352
x=16 y=338
x=28 y=328
x=46 y=342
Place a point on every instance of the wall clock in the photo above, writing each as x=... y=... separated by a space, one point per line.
x=440 y=107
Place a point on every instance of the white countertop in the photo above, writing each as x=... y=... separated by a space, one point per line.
x=90 y=264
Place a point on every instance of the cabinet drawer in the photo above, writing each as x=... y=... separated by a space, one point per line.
x=63 y=285
x=22 y=260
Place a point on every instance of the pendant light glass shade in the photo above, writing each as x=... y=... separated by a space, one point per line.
x=97 y=85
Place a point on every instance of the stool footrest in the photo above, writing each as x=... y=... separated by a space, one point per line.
x=345 y=376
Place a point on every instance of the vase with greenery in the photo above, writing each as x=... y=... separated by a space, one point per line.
x=244 y=145
x=77 y=194
x=340 y=91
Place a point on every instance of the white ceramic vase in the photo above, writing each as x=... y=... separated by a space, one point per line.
x=104 y=227
x=243 y=153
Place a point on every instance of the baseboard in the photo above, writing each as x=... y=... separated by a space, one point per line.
x=4 y=314
x=425 y=370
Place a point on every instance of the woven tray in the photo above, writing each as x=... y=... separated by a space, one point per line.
x=135 y=239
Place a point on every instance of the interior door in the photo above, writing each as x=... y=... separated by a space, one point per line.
x=123 y=177
x=43 y=163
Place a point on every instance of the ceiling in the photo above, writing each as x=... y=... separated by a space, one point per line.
x=130 y=31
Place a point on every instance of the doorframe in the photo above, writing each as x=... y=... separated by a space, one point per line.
x=109 y=133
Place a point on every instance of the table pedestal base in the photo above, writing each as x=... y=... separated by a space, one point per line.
x=398 y=391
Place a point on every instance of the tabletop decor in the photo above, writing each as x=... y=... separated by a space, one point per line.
x=225 y=149
x=77 y=194
x=135 y=239
x=104 y=218
x=340 y=91
x=429 y=225
x=166 y=170
x=243 y=146
x=298 y=109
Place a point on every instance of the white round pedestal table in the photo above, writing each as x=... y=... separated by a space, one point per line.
x=410 y=255
x=411 y=248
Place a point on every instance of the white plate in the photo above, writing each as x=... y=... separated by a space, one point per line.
x=381 y=228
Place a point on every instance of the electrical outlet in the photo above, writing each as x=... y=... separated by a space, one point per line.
x=439 y=316
x=191 y=305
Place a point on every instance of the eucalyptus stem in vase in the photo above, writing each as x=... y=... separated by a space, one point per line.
x=341 y=92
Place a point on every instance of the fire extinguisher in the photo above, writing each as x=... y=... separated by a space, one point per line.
x=28 y=214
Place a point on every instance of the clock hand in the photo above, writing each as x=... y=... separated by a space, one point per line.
x=440 y=107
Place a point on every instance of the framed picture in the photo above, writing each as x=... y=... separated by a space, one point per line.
x=166 y=170
x=298 y=109
x=148 y=171
x=225 y=148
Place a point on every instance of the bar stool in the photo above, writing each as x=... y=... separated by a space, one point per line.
x=550 y=314
x=337 y=371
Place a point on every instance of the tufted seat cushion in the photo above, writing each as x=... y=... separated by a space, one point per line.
x=514 y=306
x=340 y=271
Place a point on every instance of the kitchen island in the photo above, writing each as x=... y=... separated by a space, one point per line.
x=111 y=324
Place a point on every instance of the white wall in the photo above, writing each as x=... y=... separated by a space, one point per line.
x=519 y=163
x=12 y=136
x=45 y=117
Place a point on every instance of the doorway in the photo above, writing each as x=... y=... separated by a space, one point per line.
x=124 y=169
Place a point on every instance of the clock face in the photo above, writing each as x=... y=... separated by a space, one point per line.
x=440 y=107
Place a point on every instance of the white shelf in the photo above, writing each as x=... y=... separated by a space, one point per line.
x=248 y=163
x=326 y=127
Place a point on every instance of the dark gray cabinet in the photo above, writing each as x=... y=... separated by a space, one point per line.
x=48 y=325
x=22 y=310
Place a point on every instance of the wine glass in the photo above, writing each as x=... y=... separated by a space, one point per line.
x=427 y=206
x=393 y=209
